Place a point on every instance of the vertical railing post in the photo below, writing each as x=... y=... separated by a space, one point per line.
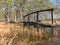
x=28 y=18
x=52 y=22
x=37 y=16
x=52 y=16
x=37 y=24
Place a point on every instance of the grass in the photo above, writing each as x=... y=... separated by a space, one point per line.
x=12 y=34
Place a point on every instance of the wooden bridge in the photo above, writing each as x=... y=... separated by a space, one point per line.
x=37 y=21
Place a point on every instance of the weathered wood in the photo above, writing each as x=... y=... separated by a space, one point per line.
x=38 y=23
x=39 y=11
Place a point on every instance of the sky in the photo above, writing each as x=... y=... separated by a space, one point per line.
x=53 y=1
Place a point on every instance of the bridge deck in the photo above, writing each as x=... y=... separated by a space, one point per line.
x=39 y=23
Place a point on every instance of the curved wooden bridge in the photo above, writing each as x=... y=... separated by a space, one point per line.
x=37 y=21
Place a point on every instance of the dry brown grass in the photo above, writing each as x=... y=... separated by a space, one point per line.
x=13 y=34
x=8 y=30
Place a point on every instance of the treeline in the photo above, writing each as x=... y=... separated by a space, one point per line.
x=14 y=10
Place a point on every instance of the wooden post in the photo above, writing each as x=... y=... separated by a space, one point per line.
x=37 y=16
x=28 y=18
x=37 y=24
x=52 y=21
x=52 y=16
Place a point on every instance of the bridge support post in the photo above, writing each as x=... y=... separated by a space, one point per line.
x=52 y=16
x=52 y=22
x=28 y=18
x=37 y=16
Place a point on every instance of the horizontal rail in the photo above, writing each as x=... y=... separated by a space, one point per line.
x=39 y=11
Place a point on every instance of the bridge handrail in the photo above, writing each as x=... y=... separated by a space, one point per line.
x=39 y=11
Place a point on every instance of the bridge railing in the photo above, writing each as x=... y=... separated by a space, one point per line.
x=36 y=14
